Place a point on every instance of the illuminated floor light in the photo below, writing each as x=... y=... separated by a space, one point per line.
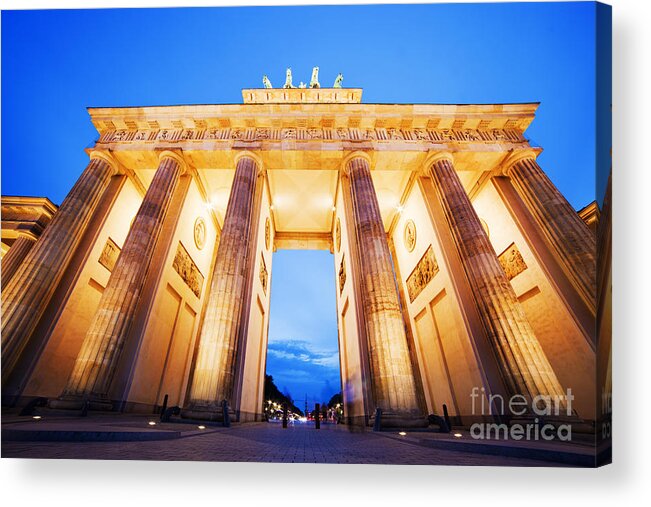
x=201 y=427
x=151 y=423
x=458 y=435
x=36 y=417
x=402 y=433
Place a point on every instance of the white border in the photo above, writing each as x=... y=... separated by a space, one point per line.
x=100 y=483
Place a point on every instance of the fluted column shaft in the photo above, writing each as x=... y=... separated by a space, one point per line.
x=97 y=360
x=561 y=225
x=522 y=361
x=394 y=388
x=15 y=256
x=28 y=292
x=214 y=371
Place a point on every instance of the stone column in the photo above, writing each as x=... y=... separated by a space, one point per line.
x=214 y=371
x=15 y=256
x=524 y=366
x=392 y=375
x=28 y=292
x=97 y=360
x=560 y=223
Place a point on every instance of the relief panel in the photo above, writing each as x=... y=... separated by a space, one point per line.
x=512 y=261
x=188 y=270
x=422 y=274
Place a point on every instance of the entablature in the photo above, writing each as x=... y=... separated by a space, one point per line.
x=320 y=121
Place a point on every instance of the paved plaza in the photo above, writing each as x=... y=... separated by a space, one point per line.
x=266 y=442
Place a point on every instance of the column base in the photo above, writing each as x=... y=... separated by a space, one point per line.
x=397 y=420
x=208 y=412
x=77 y=403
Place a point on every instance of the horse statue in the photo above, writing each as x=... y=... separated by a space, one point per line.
x=314 y=82
x=266 y=82
x=339 y=80
x=288 y=79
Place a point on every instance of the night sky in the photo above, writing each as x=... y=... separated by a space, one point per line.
x=57 y=63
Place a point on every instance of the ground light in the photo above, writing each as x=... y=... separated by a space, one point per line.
x=36 y=417
x=402 y=433
x=458 y=435
x=201 y=427
x=151 y=423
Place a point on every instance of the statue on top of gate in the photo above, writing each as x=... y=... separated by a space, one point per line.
x=314 y=80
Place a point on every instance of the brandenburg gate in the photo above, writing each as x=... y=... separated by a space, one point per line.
x=458 y=264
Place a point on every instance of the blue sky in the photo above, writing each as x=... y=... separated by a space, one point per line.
x=56 y=63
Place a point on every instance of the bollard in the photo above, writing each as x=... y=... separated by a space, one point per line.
x=317 y=416
x=377 y=424
x=169 y=412
x=164 y=407
x=84 y=409
x=440 y=422
x=226 y=417
x=36 y=402
x=284 y=415
x=446 y=416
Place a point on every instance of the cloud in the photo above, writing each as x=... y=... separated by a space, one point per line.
x=303 y=351
x=303 y=368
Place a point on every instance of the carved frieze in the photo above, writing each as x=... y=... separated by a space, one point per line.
x=264 y=276
x=422 y=274
x=109 y=255
x=454 y=135
x=512 y=261
x=188 y=270
x=342 y=274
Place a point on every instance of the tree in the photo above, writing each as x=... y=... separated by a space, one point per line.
x=337 y=398
x=271 y=392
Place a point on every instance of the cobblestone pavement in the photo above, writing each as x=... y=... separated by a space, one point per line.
x=264 y=442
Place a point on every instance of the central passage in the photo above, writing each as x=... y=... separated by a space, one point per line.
x=303 y=354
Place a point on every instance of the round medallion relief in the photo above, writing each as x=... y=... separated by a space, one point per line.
x=410 y=235
x=200 y=232
x=338 y=235
x=267 y=233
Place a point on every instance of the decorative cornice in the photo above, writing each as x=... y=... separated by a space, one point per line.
x=42 y=204
x=147 y=124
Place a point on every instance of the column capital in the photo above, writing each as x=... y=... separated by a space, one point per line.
x=27 y=233
x=514 y=157
x=435 y=157
x=353 y=155
x=177 y=156
x=107 y=157
x=253 y=156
